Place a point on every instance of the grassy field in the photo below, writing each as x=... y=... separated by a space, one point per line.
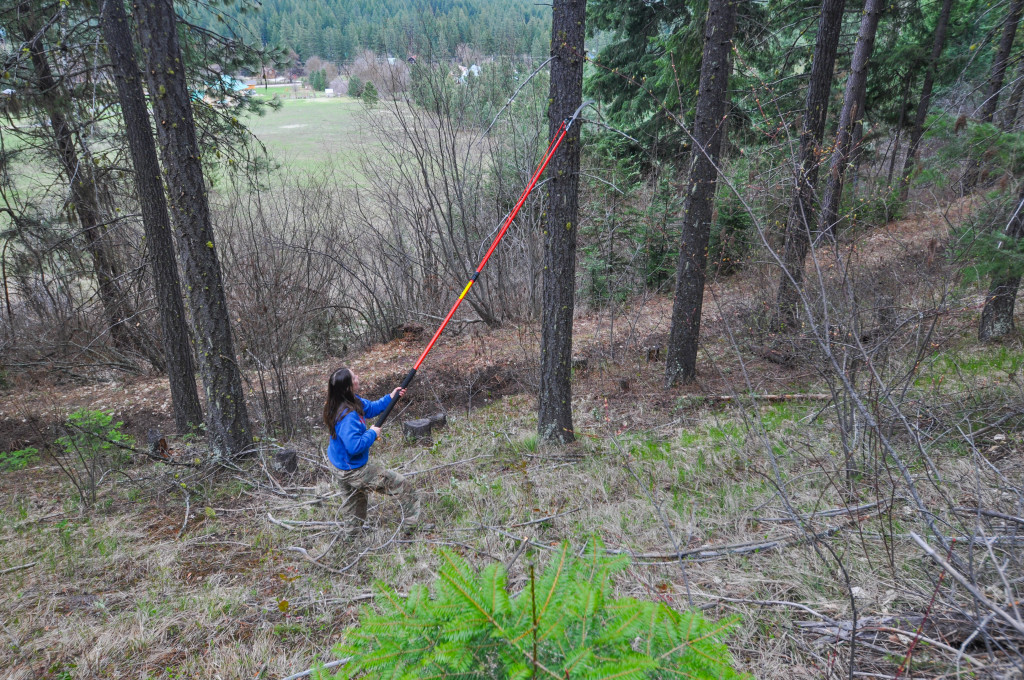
x=306 y=135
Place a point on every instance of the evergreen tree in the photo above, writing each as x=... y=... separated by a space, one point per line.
x=369 y=94
x=177 y=347
x=227 y=420
x=355 y=87
x=691 y=271
x=554 y=419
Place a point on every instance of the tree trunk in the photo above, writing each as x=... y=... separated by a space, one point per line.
x=227 y=420
x=926 y=97
x=853 y=109
x=691 y=269
x=1013 y=104
x=995 y=83
x=997 y=316
x=116 y=310
x=900 y=123
x=554 y=421
x=188 y=411
x=801 y=211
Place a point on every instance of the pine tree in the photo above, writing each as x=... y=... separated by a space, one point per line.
x=691 y=270
x=554 y=415
x=369 y=94
x=565 y=624
x=227 y=418
x=177 y=347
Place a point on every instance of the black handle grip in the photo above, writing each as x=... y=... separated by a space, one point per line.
x=387 y=412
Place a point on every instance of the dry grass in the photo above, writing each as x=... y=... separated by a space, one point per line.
x=138 y=590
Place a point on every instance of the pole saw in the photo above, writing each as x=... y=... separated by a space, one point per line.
x=553 y=145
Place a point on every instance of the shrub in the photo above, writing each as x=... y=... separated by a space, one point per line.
x=355 y=86
x=564 y=624
x=92 y=444
x=732 y=234
x=18 y=460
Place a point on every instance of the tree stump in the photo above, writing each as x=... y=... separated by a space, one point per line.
x=580 y=364
x=417 y=429
x=422 y=427
x=286 y=461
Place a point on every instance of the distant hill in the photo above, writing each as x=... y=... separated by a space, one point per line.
x=337 y=29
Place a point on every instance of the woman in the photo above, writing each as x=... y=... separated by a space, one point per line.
x=345 y=414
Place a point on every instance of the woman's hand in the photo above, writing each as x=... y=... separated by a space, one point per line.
x=397 y=392
x=375 y=429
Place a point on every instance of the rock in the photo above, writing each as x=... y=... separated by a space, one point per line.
x=286 y=461
x=417 y=429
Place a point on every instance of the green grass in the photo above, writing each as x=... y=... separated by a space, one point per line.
x=997 y=364
x=307 y=135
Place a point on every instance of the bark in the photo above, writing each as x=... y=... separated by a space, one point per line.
x=188 y=411
x=852 y=111
x=997 y=316
x=900 y=123
x=691 y=269
x=926 y=97
x=566 y=95
x=801 y=211
x=227 y=420
x=995 y=83
x=117 y=312
x=1013 y=104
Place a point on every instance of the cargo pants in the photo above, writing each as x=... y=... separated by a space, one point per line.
x=357 y=485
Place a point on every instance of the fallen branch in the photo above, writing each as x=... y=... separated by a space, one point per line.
x=309 y=671
x=290 y=524
x=971 y=588
x=18 y=568
x=825 y=513
x=989 y=513
x=716 y=552
x=842 y=630
x=438 y=467
x=767 y=397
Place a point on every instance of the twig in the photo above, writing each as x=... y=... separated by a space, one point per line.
x=18 y=568
x=824 y=513
x=971 y=588
x=188 y=509
x=989 y=513
x=438 y=467
x=309 y=671
x=516 y=555
x=543 y=519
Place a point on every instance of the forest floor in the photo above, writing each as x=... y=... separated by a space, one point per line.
x=202 y=572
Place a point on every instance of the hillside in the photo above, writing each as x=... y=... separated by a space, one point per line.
x=337 y=30
x=186 y=572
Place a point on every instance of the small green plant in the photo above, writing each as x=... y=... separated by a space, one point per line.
x=564 y=624
x=92 y=444
x=18 y=460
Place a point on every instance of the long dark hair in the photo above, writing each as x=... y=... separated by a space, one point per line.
x=340 y=398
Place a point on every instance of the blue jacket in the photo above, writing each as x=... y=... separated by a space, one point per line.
x=350 y=443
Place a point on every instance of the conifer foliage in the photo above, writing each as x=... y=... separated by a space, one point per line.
x=565 y=623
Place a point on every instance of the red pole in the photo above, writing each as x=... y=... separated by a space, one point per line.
x=552 y=148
